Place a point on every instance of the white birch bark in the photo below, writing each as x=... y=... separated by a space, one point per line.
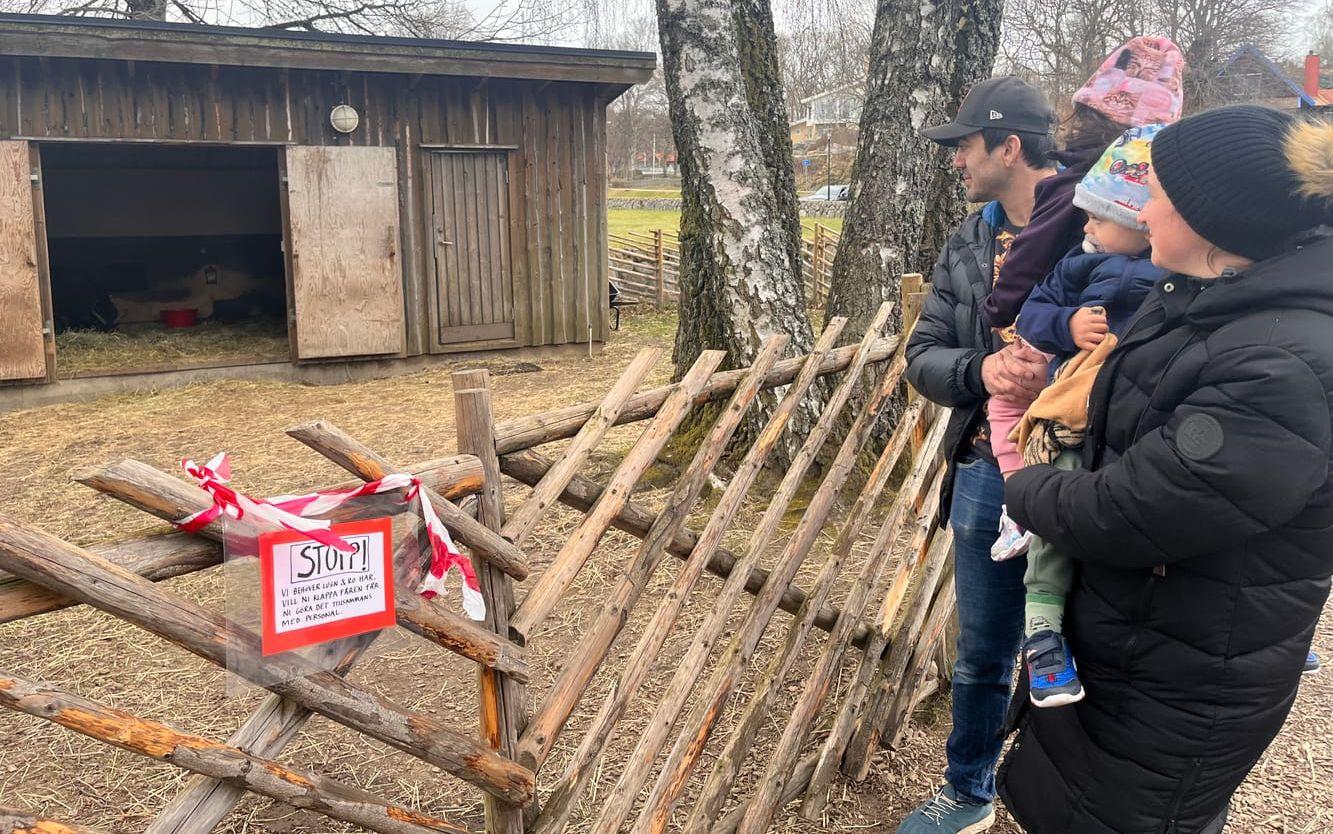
x=739 y=282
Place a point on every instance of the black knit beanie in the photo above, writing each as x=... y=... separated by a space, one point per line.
x=1227 y=173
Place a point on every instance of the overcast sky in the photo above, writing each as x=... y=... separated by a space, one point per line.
x=622 y=12
x=625 y=10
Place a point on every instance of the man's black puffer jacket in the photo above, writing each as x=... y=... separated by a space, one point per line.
x=1204 y=539
x=945 y=351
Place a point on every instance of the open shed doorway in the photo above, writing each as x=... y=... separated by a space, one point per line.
x=164 y=257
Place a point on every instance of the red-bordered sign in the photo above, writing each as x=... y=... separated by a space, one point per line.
x=313 y=593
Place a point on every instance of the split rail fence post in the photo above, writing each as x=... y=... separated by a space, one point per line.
x=659 y=258
x=914 y=290
x=912 y=286
x=503 y=704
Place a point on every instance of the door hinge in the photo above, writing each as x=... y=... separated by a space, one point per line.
x=35 y=177
x=282 y=178
x=47 y=328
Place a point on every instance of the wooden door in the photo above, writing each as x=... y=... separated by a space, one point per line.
x=347 y=282
x=474 y=281
x=25 y=334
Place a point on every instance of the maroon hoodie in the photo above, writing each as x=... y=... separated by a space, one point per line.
x=1054 y=228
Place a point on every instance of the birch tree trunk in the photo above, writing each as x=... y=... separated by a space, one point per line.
x=924 y=55
x=758 y=46
x=944 y=212
x=739 y=231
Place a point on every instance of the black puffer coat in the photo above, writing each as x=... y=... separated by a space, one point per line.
x=945 y=351
x=1204 y=538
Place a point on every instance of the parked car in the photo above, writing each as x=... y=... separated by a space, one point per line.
x=829 y=193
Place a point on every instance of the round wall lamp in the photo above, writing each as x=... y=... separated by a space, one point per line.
x=344 y=118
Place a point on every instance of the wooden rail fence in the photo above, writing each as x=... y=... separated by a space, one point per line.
x=862 y=658
x=645 y=266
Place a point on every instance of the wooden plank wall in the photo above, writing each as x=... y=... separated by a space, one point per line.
x=22 y=345
x=553 y=133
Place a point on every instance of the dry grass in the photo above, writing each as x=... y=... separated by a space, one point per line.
x=411 y=418
x=135 y=346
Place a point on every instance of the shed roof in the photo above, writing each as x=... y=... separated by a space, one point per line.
x=67 y=37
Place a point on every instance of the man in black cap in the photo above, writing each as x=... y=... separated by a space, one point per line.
x=1001 y=138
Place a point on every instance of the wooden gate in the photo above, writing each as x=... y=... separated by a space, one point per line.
x=474 y=281
x=25 y=335
x=347 y=282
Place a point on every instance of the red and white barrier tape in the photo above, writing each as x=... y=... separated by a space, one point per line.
x=292 y=512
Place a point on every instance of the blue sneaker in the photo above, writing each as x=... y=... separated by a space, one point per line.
x=945 y=813
x=1051 y=670
x=1312 y=664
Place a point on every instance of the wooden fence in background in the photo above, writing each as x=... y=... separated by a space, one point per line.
x=645 y=266
x=862 y=659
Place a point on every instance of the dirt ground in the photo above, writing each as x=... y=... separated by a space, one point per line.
x=408 y=419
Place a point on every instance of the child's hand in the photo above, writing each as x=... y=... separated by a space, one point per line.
x=1088 y=327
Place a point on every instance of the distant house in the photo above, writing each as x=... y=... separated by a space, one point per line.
x=1250 y=76
x=656 y=164
x=825 y=112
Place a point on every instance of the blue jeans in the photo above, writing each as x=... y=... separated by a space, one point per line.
x=990 y=620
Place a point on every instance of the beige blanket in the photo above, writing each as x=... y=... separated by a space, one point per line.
x=1058 y=418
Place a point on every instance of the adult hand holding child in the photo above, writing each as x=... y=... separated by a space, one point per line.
x=1018 y=371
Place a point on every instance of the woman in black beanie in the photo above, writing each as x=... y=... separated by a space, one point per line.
x=1203 y=524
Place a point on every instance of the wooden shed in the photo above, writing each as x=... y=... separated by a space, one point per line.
x=375 y=197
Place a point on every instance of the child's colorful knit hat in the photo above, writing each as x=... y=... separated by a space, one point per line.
x=1117 y=186
x=1138 y=84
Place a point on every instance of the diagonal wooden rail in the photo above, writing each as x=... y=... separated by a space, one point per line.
x=166 y=555
x=519 y=433
x=555 y=813
x=300 y=789
x=868 y=673
x=76 y=573
x=547 y=491
x=685 y=754
x=15 y=821
x=875 y=713
x=546 y=592
x=768 y=792
x=636 y=769
x=205 y=801
x=526 y=468
x=728 y=764
x=541 y=734
x=167 y=497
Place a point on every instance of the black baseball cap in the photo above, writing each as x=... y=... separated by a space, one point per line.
x=1005 y=102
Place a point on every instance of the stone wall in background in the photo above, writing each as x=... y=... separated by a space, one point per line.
x=809 y=208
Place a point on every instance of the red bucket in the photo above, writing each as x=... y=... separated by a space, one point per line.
x=183 y=317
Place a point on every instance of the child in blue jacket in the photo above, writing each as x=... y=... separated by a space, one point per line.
x=1091 y=295
x=1098 y=288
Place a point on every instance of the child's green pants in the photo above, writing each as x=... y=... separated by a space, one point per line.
x=1050 y=573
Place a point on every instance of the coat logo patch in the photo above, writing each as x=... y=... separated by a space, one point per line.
x=1199 y=437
